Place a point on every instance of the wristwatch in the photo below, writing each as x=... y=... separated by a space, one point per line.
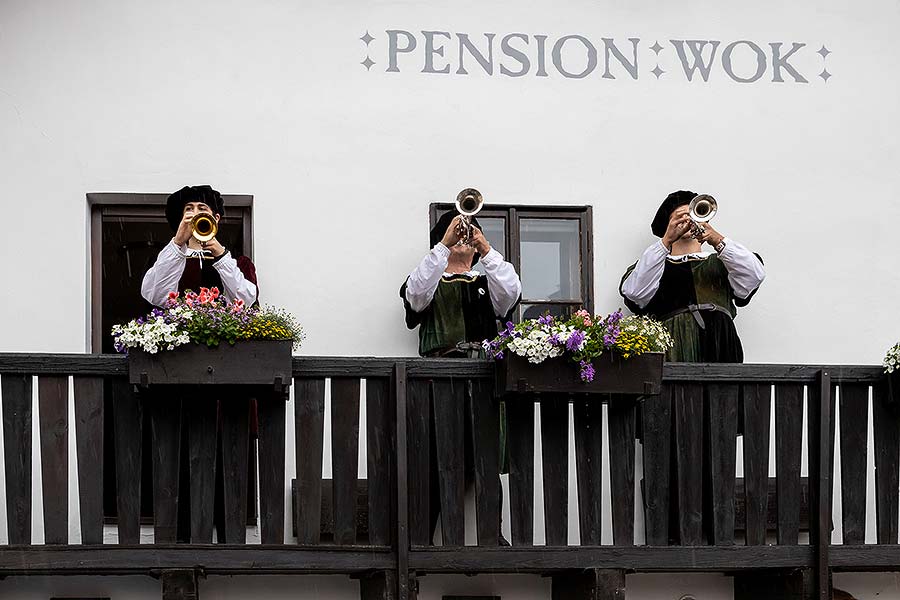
x=720 y=246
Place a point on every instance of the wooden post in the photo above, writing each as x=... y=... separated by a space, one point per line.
x=591 y=584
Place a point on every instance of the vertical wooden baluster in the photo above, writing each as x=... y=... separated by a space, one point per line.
x=309 y=414
x=271 y=410
x=555 y=451
x=757 y=408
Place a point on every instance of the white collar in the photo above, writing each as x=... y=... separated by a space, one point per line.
x=472 y=273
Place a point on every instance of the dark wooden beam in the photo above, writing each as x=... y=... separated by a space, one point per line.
x=220 y=559
x=646 y=559
x=328 y=366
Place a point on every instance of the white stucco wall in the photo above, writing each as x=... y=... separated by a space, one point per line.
x=270 y=99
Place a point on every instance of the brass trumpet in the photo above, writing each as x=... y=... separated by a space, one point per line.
x=701 y=210
x=204 y=227
x=468 y=203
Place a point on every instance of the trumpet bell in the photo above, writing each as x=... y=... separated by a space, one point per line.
x=204 y=227
x=469 y=202
x=703 y=207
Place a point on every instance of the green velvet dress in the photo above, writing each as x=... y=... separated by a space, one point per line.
x=696 y=281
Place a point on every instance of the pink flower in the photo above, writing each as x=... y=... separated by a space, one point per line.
x=173 y=295
x=204 y=298
x=582 y=313
x=214 y=293
x=588 y=322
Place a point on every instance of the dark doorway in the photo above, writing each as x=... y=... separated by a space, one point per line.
x=127 y=232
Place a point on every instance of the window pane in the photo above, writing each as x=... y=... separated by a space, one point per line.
x=494 y=229
x=533 y=311
x=551 y=259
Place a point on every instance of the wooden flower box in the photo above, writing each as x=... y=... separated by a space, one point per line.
x=640 y=375
x=253 y=362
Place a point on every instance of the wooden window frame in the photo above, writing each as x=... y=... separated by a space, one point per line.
x=138 y=206
x=514 y=213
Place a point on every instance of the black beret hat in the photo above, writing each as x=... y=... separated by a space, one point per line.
x=192 y=193
x=440 y=228
x=674 y=200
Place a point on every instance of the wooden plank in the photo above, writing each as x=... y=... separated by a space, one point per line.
x=309 y=414
x=555 y=454
x=63 y=364
x=722 y=403
x=235 y=409
x=484 y=420
x=771 y=510
x=400 y=385
x=621 y=459
x=886 y=427
x=588 y=460
x=321 y=367
x=768 y=373
x=788 y=448
x=520 y=443
x=144 y=559
x=820 y=423
x=854 y=399
x=17 y=391
x=653 y=559
x=379 y=450
x=128 y=430
x=449 y=424
x=271 y=410
x=590 y=584
x=688 y=408
x=53 y=401
x=418 y=451
x=89 y=448
x=344 y=456
x=656 y=417
x=757 y=410
x=165 y=422
x=202 y=415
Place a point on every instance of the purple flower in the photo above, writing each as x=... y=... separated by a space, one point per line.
x=546 y=320
x=575 y=340
x=587 y=371
x=499 y=355
x=554 y=339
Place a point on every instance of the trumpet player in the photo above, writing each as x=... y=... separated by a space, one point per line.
x=695 y=293
x=194 y=258
x=451 y=303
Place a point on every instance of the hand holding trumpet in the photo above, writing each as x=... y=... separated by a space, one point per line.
x=455 y=233
x=198 y=231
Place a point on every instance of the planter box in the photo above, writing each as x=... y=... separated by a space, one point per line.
x=640 y=375
x=258 y=362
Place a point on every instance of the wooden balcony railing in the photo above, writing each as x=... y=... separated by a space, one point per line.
x=380 y=529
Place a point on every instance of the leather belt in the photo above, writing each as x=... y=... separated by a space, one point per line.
x=695 y=309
